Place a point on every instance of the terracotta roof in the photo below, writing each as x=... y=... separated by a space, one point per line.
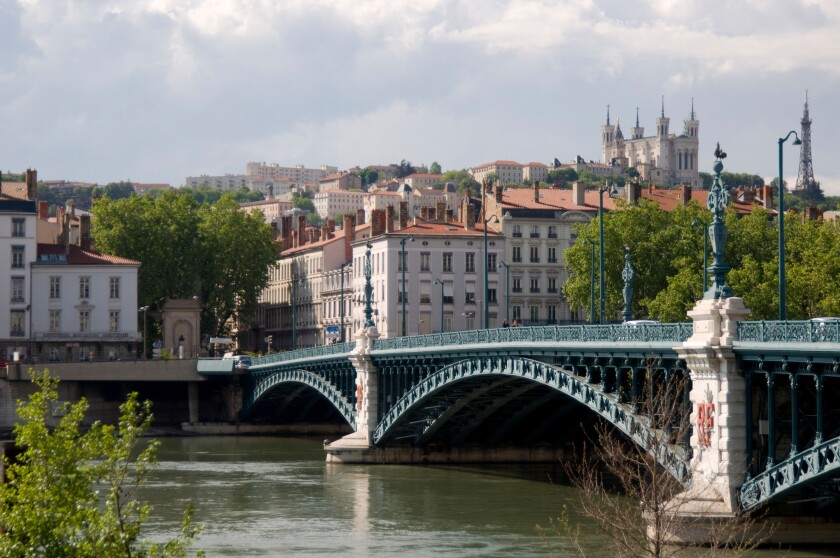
x=551 y=198
x=383 y=193
x=668 y=199
x=78 y=256
x=434 y=228
x=497 y=163
x=337 y=235
x=335 y=176
x=534 y=165
x=425 y=175
x=14 y=189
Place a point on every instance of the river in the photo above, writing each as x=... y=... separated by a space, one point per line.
x=271 y=497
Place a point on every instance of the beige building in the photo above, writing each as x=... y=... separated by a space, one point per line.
x=506 y=172
x=272 y=209
x=420 y=180
x=534 y=172
x=340 y=181
x=298 y=174
x=330 y=203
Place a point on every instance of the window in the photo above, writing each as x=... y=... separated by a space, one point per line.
x=18 y=227
x=552 y=284
x=84 y=321
x=447 y=261
x=447 y=322
x=424 y=261
x=16 y=321
x=552 y=254
x=55 y=321
x=84 y=287
x=115 y=287
x=535 y=314
x=517 y=285
x=517 y=253
x=17 y=289
x=470 y=266
x=552 y=231
x=469 y=321
x=469 y=296
x=516 y=311
x=491 y=294
x=535 y=231
x=402 y=262
x=535 y=284
x=491 y=262
x=517 y=231
x=55 y=287
x=535 y=254
x=552 y=314
x=18 y=257
x=114 y=321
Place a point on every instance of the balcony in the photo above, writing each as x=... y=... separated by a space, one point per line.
x=535 y=260
x=535 y=290
x=425 y=299
x=551 y=291
x=516 y=234
x=517 y=260
x=516 y=290
x=552 y=235
x=88 y=336
x=552 y=260
x=535 y=235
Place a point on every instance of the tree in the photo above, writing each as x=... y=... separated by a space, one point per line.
x=114 y=190
x=75 y=494
x=404 y=169
x=368 y=176
x=434 y=168
x=561 y=176
x=303 y=203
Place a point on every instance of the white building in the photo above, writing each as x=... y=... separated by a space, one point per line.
x=423 y=180
x=506 y=172
x=330 y=203
x=534 y=172
x=665 y=157
x=225 y=182
x=298 y=174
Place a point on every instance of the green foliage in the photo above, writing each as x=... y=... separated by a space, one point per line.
x=561 y=176
x=434 y=168
x=114 y=190
x=667 y=253
x=75 y=494
x=405 y=168
x=217 y=250
x=303 y=203
x=368 y=176
x=463 y=179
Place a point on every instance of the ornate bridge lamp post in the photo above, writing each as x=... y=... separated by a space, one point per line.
x=491 y=219
x=782 y=285
x=144 y=309
x=294 y=304
x=440 y=282
x=403 y=294
x=369 y=289
x=628 y=274
x=703 y=225
x=717 y=201
x=613 y=192
x=507 y=289
x=341 y=271
x=591 y=281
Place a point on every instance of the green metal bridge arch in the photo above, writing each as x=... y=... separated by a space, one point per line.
x=636 y=427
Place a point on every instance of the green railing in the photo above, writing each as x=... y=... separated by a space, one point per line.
x=790 y=332
x=310 y=352
x=644 y=333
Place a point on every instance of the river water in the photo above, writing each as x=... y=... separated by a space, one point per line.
x=269 y=496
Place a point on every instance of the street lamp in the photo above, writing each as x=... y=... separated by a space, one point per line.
x=418 y=325
x=507 y=290
x=591 y=281
x=341 y=270
x=782 y=286
x=703 y=226
x=294 y=305
x=493 y=219
x=613 y=192
x=144 y=309
x=403 y=240
x=440 y=282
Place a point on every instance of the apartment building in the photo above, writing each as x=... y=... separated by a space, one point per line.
x=506 y=172
x=298 y=174
x=340 y=181
x=421 y=180
x=330 y=203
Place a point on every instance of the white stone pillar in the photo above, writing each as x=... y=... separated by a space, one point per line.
x=718 y=402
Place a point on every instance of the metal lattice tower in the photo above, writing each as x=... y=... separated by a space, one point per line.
x=806 y=167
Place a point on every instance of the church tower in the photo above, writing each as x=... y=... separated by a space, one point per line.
x=662 y=123
x=692 y=125
x=637 y=131
x=607 y=139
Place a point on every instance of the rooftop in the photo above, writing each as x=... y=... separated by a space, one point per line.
x=55 y=254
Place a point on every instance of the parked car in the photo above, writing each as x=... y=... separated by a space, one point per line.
x=242 y=361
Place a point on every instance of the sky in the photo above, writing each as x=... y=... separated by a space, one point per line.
x=158 y=90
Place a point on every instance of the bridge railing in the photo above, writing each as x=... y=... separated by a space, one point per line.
x=309 y=352
x=671 y=333
x=811 y=331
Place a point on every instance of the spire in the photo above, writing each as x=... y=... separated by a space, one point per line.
x=663 y=106
x=608 y=115
x=805 y=180
x=637 y=116
x=692 y=108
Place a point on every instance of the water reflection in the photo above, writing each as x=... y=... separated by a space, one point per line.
x=277 y=497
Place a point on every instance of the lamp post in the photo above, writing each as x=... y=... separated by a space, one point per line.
x=493 y=219
x=613 y=192
x=403 y=240
x=507 y=290
x=440 y=282
x=144 y=309
x=368 y=288
x=341 y=270
x=294 y=305
x=591 y=280
x=782 y=286
x=703 y=226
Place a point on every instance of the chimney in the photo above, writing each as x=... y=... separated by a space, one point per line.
x=331 y=225
x=31 y=184
x=43 y=210
x=767 y=197
x=377 y=222
x=314 y=235
x=537 y=191
x=469 y=220
x=360 y=217
x=84 y=232
x=650 y=189
x=325 y=232
x=488 y=187
x=274 y=230
x=499 y=192
x=440 y=211
x=449 y=215
x=389 y=219
x=578 y=193
x=633 y=192
x=403 y=215
x=301 y=229
x=685 y=194
x=294 y=239
x=349 y=237
x=812 y=213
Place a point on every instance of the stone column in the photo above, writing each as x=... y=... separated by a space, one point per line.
x=718 y=403
x=355 y=447
x=192 y=401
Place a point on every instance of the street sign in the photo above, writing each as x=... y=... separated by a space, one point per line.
x=157 y=345
x=333 y=329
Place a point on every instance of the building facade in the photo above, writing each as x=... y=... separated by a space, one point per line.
x=330 y=203
x=506 y=172
x=18 y=249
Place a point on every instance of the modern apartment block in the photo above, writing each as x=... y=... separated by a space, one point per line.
x=298 y=174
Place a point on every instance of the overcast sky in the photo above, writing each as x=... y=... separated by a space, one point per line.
x=157 y=90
